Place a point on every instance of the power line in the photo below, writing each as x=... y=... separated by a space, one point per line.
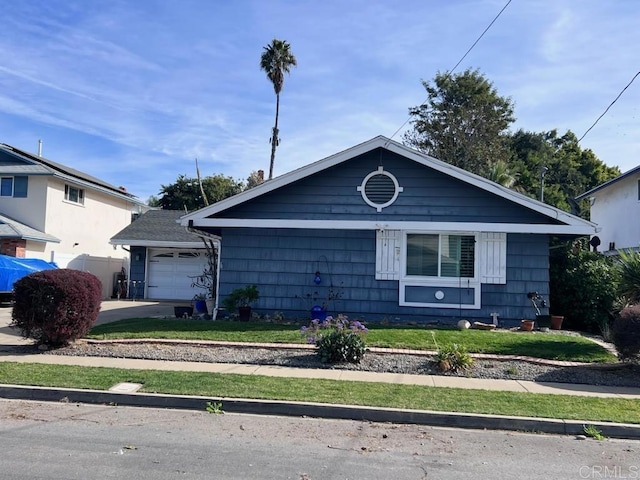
x=607 y=109
x=461 y=60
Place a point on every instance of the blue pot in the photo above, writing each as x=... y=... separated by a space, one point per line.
x=200 y=306
x=318 y=313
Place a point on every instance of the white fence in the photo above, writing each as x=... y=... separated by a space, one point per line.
x=104 y=268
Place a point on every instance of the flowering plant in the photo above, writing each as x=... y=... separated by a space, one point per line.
x=338 y=339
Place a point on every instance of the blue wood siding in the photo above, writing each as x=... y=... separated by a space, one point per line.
x=283 y=262
x=428 y=196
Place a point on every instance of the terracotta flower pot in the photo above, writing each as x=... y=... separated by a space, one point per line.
x=556 y=322
x=527 y=325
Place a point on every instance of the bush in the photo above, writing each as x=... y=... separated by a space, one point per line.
x=55 y=307
x=583 y=287
x=453 y=358
x=338 y=339
x=628 y=264
x=626 y=332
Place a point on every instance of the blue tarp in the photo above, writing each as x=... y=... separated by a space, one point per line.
x=13 y=269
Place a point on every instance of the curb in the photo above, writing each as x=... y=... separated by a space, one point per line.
x=320 y=410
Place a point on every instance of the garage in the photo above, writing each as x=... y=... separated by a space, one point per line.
x=170 y=273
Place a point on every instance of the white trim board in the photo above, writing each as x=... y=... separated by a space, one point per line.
x=158 y=244
x=373 y=225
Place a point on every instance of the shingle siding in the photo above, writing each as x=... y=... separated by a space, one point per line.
x=428 y=196
x=283 y=262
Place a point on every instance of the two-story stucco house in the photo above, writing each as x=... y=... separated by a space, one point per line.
x=614 y=207
x=58 y=214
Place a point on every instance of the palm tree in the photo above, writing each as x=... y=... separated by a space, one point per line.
x=500 y=172
x=275 y=61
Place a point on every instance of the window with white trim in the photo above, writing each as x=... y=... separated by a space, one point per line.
x=440 y=255
x=13 y=187
x=441 y=270
x=74 y=194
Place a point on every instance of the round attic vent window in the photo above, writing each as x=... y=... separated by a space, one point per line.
x=379 y=189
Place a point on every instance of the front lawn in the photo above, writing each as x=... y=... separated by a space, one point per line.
x=534 y=344
x=328 y=391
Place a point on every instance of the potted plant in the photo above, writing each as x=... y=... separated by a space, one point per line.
x=241 y=299
x=543 y=321
x=200 y=303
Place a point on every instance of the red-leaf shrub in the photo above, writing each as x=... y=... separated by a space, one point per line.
x=626 y=332
x=55 y=307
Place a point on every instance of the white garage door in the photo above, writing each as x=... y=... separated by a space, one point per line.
x=170 y=273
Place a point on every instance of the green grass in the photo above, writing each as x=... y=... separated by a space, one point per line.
x=329 y=391
x=549 y=346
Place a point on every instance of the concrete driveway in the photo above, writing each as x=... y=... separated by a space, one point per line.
x=110 y=311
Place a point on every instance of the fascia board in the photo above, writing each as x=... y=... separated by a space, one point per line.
x=156 y=243
x=589 y=229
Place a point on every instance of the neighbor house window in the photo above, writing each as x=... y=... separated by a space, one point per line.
x=441 y=255
x=74 y=194
x=13 y=187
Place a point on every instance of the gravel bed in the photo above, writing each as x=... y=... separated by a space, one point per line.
x=596 y=374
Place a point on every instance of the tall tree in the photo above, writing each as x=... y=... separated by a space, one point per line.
x=276 y=60
x=570 y=170
x=463 y=122
x=186 y=194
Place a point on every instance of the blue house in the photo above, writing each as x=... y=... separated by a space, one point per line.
x=381 y=231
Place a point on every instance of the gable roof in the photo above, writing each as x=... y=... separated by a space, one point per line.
x=157 y=228
x=10 y=228
x=609 y=183
x=570 y=223
x=30 y=164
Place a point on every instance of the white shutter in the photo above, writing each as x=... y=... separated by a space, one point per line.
x=388 y=254
x=492 y=257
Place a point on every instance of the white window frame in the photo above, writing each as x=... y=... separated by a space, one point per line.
x=435 y=282
x=67 y=190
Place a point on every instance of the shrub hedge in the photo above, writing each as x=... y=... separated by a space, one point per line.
x=55 y=307
x=626 y=332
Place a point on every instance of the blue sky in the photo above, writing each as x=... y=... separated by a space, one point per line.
x=133 y=91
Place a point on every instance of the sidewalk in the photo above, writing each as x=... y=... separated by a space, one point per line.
x=126 y=394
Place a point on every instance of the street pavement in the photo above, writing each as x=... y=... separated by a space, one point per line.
x=126 y=394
